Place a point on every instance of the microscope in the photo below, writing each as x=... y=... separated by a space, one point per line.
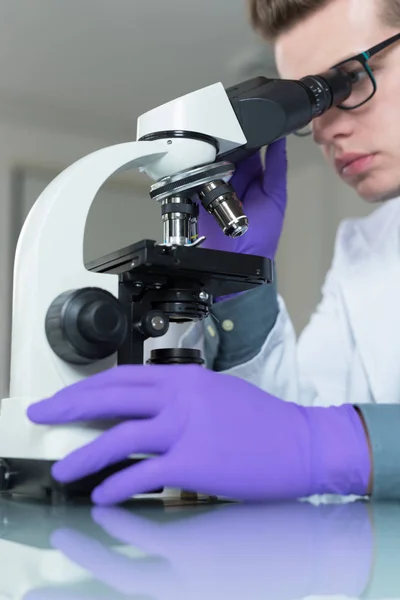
x=71 y=320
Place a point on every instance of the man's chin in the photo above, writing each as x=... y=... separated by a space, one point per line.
x=376 y=195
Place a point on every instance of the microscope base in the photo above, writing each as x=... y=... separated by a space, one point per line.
x=33 y=479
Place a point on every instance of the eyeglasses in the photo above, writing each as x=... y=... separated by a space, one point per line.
x=364 y=83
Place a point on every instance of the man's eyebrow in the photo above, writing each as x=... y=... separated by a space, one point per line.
x=347 y=57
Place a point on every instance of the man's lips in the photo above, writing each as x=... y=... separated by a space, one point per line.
x=353 y=164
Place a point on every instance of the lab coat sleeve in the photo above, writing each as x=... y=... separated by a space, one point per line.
x=242 y=325
x=383 y=425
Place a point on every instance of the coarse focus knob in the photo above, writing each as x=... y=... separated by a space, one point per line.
x=86 y=325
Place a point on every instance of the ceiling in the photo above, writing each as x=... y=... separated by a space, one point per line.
x=100 y=63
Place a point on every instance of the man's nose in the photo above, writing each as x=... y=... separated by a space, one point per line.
x=333 y=125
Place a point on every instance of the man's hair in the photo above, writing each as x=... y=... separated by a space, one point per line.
x=271 y=18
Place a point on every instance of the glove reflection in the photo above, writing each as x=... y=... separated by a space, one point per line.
x=231 y=551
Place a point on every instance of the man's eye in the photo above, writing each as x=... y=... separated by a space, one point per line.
x=357 y=75
x=356 y=71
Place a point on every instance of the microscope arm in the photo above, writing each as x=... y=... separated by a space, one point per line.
x=49 y=261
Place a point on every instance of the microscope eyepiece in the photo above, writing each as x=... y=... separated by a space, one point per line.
x=328 y=89
x=270 y=109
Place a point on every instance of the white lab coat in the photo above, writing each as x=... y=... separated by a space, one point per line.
x=350 y=349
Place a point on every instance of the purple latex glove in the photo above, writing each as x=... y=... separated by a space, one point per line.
x=213 y=433
x=264 y=194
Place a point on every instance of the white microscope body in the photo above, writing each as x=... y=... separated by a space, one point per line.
x=183 y=147
x=49 y=259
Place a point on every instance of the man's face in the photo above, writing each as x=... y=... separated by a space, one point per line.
x=341 y=29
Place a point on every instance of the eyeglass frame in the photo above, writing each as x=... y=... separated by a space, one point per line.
x=363 y=58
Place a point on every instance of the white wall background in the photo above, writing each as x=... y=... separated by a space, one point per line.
x=74 y=77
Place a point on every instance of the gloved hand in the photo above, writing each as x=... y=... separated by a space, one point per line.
x=264 y=194
x=212 y=433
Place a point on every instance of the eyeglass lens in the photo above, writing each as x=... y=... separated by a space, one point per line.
x=363 y=83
